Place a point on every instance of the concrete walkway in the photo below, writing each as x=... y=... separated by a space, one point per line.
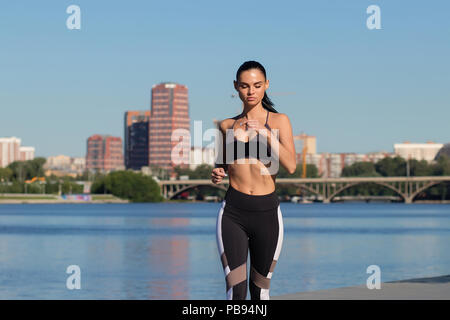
x=56 y=201
x=435 y=288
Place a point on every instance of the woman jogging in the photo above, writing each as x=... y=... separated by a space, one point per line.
x=250 y=217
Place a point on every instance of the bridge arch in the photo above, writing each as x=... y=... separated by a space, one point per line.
x=352 y=184
x=326 y=188
x=193 y=186
x=398 y=191
x=424 y=187
x=303 y=186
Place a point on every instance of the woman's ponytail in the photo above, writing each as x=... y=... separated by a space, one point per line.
x=268 y=104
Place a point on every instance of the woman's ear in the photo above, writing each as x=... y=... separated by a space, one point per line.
x=267 y=84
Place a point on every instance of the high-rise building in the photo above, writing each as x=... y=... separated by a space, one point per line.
x=104 y=153
x=419 y=151
x=11 y=150
x=136 y=139
x=26 y=153
x=169 y=112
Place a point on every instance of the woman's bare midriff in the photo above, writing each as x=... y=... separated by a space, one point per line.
x=247 y=177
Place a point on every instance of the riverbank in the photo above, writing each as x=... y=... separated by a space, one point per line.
x=433 y=288
x=12 y=198
x=34 y=201
x=54 y=199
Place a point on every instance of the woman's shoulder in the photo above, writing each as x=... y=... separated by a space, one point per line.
x=278 y=115
x=226 y=123
x=279 y=119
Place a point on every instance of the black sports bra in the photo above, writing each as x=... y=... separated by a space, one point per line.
x=237 y=142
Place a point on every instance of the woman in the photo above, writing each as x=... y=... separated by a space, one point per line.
x=250 y=217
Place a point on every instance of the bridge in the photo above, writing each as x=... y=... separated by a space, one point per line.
x=324 y=188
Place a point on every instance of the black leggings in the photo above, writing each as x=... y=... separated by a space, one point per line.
x=249 y=222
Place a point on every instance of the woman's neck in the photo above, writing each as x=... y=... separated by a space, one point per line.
x=252 y=112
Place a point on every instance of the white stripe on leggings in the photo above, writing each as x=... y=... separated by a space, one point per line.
x=226 y=270
x=265 y=292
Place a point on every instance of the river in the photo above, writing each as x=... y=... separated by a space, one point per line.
x=169 y=251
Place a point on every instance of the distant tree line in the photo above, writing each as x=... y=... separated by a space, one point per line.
x=13 y=177
x=399 y=167
x=141 y=188
x=130 y=185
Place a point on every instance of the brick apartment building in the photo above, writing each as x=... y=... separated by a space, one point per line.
x=104 y=153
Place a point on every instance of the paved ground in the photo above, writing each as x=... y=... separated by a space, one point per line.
x=50 y=201
x=435 y=288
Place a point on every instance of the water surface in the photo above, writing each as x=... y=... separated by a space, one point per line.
x=169 y=250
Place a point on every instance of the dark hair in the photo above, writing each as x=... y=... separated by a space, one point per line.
x=247 y=65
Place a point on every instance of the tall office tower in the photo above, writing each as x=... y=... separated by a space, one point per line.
x=169 y=111
x=104 y=153
x=136 y=139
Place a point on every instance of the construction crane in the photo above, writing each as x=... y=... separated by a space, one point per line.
x=303 y=137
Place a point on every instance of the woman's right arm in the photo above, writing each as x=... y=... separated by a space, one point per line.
x=222 y=132
x=221 y=167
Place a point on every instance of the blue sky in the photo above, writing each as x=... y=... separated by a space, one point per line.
x=356 y=90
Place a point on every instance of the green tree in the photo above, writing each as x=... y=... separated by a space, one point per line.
x=25 y=170
x=203 y=171
x=311 y=172
x=182 y=171
x=360 y=169
x=283 y=189
x=419 y=168
x=98 y=186
x=36 y=167
x=129 y=185
x=441 y=167
x=391 y=167
x=6 y=174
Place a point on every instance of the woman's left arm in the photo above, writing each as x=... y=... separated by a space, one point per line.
x=284 y=146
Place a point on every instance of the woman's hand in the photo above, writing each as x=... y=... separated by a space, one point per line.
x=217 y=175
x=254 y=124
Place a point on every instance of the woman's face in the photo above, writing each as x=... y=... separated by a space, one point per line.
x=251 y=86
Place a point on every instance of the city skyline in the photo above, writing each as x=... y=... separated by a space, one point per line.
x=356 y=90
